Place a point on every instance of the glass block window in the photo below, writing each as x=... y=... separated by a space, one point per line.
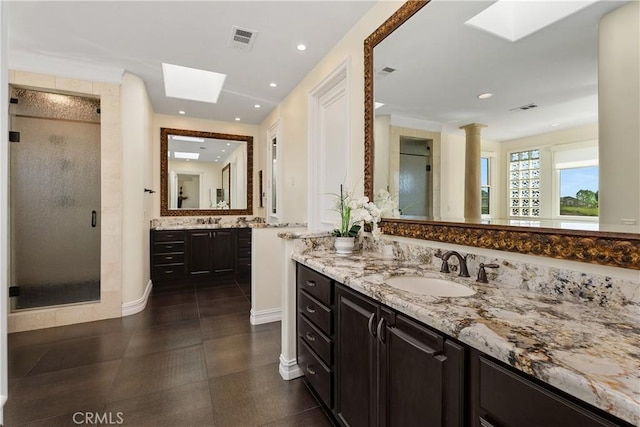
x=524 y=184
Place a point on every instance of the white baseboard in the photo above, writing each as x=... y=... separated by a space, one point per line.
x=289 y=369
x=265 y=316
x=133 y=307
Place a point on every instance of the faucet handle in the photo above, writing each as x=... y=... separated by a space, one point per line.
x=482 y=274
x=445 y=267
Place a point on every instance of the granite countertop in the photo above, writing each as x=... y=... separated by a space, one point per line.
x=227 y=225
x=592 y=353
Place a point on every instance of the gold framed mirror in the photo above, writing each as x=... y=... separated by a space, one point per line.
x=205 y=173
x=611 y=248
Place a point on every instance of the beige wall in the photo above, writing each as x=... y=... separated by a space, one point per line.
x=619 y=113
x=187 y=123
x=137 y=119
x=293 y=113
x=111 y=272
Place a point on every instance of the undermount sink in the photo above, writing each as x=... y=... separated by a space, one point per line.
x=425 y=285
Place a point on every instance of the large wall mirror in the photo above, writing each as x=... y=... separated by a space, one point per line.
x=435 y=84
x=205 y=173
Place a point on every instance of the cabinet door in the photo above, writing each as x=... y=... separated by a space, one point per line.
x=356 y=360
x=411 y=373
x=224 y=251
x=199 y=252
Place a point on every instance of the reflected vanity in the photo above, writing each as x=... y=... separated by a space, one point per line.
x=205 y=173
x=416 y=105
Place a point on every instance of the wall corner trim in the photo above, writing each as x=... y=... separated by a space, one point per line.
x=133 y=307
x=289 y=369
x=265 y=316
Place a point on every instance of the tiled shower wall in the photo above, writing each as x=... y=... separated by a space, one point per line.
x=110 y=304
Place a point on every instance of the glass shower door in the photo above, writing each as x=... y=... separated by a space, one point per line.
x=54 y=199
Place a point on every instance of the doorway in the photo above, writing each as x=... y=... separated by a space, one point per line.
x=54 y=193
x=415 y=183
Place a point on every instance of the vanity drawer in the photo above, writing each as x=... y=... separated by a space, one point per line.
x=315 y=283
x=317 y=373
x=171 y=271
x=315 y=311
x=510 y=399
x=163 y=248
x=318 y=341
x=168 y=258
x=169 y=236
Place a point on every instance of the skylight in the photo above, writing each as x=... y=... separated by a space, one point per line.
x=191 y=83
x=516 y=19
x=181 y=155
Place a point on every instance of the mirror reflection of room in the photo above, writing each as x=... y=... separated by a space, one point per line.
x=518 y=129
x=206 y=173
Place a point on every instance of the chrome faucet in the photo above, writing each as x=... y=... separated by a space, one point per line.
x=462 y=261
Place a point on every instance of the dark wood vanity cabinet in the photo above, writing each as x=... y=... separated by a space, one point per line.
x=494 y=386
x=198 y=253
x=315 y=332
x=392 y=371
x=167 y=255
x=372 y=367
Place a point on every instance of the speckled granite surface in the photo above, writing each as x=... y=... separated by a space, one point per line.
x=590 y=351
x=184 y=223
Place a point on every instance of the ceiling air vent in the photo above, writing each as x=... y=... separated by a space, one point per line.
x=385 y=71
x=524 y=107
x=242 y=38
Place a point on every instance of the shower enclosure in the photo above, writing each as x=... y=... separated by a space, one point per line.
x=54 y=199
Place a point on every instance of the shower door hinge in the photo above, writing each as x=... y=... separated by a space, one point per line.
x=14 y=136
x=14 y=291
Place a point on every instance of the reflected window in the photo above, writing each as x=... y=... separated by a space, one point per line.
x=524 y=184
x=579 y=191
x=485 y=186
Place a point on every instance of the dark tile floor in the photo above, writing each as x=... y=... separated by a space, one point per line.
x=191 y=358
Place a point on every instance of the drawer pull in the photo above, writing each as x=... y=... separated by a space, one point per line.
x=311 y=370
x=168 y=271
x=169 y=257
x=485 y=423
x=310 y=337
x=310 y=283
x=169 y=246
x=169 y=236
x=372 y=319
x=311 y=309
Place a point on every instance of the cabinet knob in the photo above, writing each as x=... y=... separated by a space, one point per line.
x=311 y=309
x=310 y=337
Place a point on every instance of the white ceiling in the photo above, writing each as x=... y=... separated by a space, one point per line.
x=139 y=36
x=442 y=65
x=210 y=149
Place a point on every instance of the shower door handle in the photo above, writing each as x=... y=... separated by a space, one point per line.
x=94 y=219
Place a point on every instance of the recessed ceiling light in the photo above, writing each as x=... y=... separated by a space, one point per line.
x=273 y=84
x=377 y=105
x=181 y=112
x=257 y=105
x=237 y=120
x=228 y=143
x=191 y=83
x=301 y=47
x=486 y=95
x=224 y=151
x=553 y=125
x=180 y=155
